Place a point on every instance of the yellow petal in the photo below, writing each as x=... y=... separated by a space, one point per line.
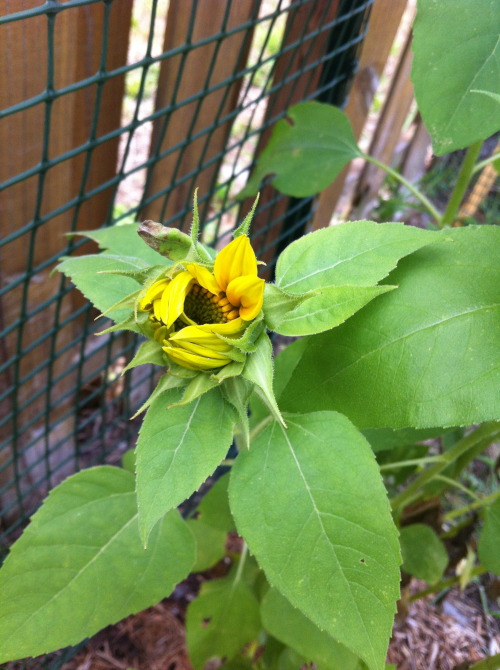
x=198 y=349
x=247 y=293
x=204 y=277
x=233 y=327
x=195 y=335
x=193 y=361
x=172 y=300
x=153 y=293
x=235 y=260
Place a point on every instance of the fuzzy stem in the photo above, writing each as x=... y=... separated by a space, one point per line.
x=483 y=435
x=482 y=502
x=444 y=584
x=413 y=189
x=464 y=177
x=241 y=564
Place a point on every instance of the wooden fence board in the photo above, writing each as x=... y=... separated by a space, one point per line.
x=385 y=19
x=186 y=75
x=294 y=64
x=23 y=50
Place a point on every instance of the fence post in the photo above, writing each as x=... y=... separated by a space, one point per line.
x=295 y=71
x=385 y=19
x=189 y=74
x=30 y=375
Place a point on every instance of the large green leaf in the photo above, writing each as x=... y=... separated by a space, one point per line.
x=223 y=618
x=456 y=50
x=177 y=449
x=124 y=240
x=290 y=626
x=307 y=151
x=424 y=555
x=80 y=565
x=212 y=524
x=311 y=504
x=489 y=541
x=103 y=290
x=328 y=308
x=356 y=253
x=424 y=355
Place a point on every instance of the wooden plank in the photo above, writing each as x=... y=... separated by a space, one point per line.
x=293 y=64
x=23 y=51
x=385 y=19
x=387 y=134
x=183 y=76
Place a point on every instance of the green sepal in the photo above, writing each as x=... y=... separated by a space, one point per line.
x=237 y=391
x=278 y=303
x=199 y=385
x=232 y=369
x=259 y=371
x=149 y=353
x=247 y=342
x=166 y=382
x=128 y=302
x=178 y=371
x=244 y=227
x=130 y=323
x=147 y=275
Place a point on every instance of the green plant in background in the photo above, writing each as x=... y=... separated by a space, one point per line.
x=399 y=343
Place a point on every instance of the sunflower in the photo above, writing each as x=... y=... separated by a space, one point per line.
x=193 y=306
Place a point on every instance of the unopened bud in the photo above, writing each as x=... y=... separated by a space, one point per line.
x=168 y=242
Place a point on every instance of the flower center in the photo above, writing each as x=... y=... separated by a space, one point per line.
x=204 y=307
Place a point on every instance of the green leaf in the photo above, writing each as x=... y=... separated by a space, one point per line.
x=214 y=508
x=103 y=290
x=328 y=308
x=80 y=565
x=489 y=541
x=128 y=460
x=291 y=627
x=311 y=505
x=149 y=353
x=456 y=50
x=121 y=239
x=425 y=355
x=424 y=555
x=306 y=151
x=210 y=545
x=237 y=392
x=223 y=618
x=198 y=386
x=259 y=371
x=177 y=450
x=356 y=253
x=165 y=383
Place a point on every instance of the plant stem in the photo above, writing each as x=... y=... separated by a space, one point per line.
x=463 y=179
x=473 y=506
x=453 y=483
x=241 y=564
x=482 y=164
x=412 y=461
x=482 y=437
x=436 y=215
x=444 y=584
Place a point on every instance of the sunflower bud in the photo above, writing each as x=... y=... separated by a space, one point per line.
x=197 y=310
x=168 y=242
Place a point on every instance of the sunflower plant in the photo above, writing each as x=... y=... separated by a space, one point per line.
x=325 y=450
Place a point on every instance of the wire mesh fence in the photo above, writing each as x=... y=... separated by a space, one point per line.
x=112 y=112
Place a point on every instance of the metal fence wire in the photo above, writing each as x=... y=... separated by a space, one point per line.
x=113 y=111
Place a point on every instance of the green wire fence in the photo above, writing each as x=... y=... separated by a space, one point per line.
x=112 y=112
